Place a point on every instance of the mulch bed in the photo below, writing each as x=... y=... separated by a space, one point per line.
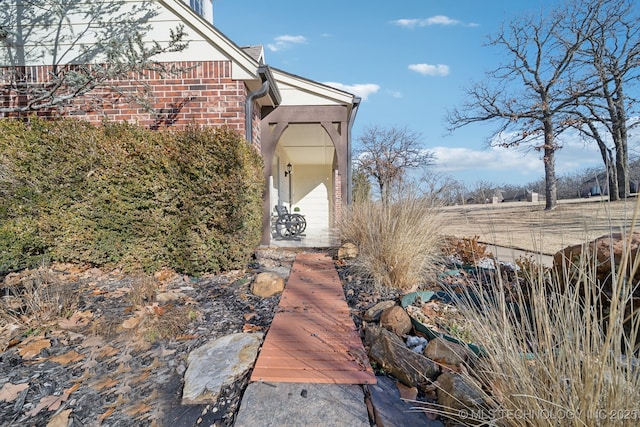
x=116 y=353
x=116 y=356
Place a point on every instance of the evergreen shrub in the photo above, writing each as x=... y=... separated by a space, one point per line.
x=120 y=194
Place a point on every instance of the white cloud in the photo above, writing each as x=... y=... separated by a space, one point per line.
x=439 y=20
x=285 y=42
x=430 y=70
x=452 y=159
x=509 y=165
x=407 y=23
x=362 y=90
x=427 y=22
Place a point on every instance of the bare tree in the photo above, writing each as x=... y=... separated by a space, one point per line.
x=570 y=185
x=442 y=188
x=85 y=45
x=387 y=155
x=482 y=192
x=611 y=53
x=528 y=94
x=361 y=186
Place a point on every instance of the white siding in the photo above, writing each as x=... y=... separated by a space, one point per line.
x=299 y=91
x=73 y=35
x=311 y=191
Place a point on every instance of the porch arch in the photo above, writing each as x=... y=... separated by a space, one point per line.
x=333 y=120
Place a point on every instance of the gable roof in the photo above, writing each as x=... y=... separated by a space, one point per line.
x=256 y=52
x=297 y=90
x=244 y=65
x=205 y=43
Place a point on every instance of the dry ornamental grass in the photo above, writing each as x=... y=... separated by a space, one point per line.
x=556 y=349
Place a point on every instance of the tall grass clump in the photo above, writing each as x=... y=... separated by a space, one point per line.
x=563 y=352
x=398 y=242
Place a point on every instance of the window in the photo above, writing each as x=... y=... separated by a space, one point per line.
x=196 y=5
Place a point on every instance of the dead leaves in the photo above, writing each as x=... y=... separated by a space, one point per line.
x=78 y=319
x=249 y=316
x=106 y=415
x=138 y=408
x=250 y=327
x=69 y=357
x=10 y=392
x=106 y=352
x=31 y=349
x=53 y=402
x=104 y=383
x=131 y=322
x=61 y=419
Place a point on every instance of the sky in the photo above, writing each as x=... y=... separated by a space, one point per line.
x=409 y=61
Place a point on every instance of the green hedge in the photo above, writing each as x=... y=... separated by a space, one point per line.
x=120 y=194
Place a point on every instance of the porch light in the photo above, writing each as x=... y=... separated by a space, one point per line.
x=288 y=173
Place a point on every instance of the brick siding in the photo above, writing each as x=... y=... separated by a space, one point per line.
x=204 y=94
x=337 y=196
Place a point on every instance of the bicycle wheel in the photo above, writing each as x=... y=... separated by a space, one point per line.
x=301 y=223
x=286 y=227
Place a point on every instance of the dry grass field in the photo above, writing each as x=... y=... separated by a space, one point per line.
x=528 y=227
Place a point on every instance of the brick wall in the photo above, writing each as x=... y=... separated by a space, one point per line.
x=337 y=196
x=204 y=94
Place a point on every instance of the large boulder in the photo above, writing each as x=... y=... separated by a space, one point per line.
x=605 y=254
x=445 y=352
x=394 y=357
x=277 y=260
x=606 y=251
x=373 y=313
x=396 y=319
x=217 y=365
x=300 y=404
x=390 y=409
x=267 y=284
x=460 y=396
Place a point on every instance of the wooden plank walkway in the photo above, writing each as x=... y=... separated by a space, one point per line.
x=312 y=338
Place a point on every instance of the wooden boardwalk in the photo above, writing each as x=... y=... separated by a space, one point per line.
x=312 y=338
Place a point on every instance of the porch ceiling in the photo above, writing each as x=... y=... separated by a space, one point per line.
x=307 y=144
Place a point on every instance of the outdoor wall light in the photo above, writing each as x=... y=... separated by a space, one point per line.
x=288 y=171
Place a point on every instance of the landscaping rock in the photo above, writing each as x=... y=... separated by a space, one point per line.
x=373 y=314
x=443 y=351
x=396 y=320
x=297 y=404
x=274 y=256
x=267 y=284
x=391 y=411
x=582 y=257
x=218 y=364
x=390 y=353
x=274 y=260
x=169 y=296
x=602 y=247
x=348 y=251
x=457 y=392
x=416 y=344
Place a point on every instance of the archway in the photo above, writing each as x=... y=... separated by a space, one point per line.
x=313 y=141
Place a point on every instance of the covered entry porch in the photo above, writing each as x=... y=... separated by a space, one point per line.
x=306 y=150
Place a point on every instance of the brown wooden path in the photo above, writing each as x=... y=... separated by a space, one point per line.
x=312 y=338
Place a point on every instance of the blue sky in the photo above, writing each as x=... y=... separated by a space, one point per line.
x=409 y=60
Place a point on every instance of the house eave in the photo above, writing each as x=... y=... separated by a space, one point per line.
x=210 y=33
x=274 y=93
x=332 y=94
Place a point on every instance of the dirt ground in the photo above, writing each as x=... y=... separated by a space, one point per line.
x=528 y=227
